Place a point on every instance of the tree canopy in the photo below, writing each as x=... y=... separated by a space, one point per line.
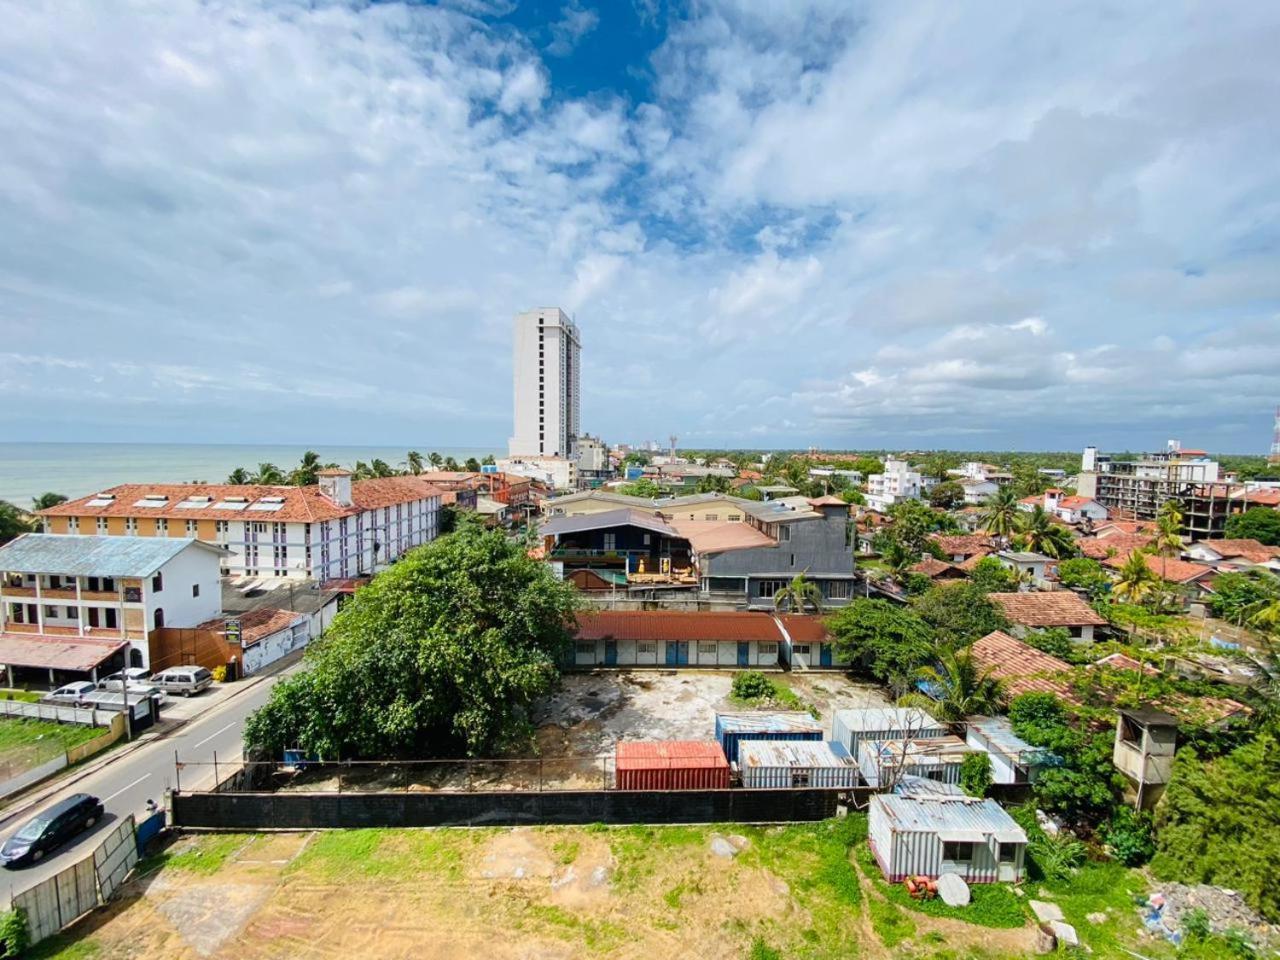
x=992 y=576
x=441 y=655
x=889 y=641
x=12 y=522
x=959 y=613
x=1257 y=523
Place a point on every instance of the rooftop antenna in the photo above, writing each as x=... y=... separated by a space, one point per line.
x=673 y=439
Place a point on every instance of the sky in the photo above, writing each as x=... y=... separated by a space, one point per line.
x=777 y=224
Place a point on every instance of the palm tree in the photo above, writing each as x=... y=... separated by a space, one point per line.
x=361 y=471
x=1042 y=535
x=1136 y=583
x=1265 y=615
x=451 y=464
x=415 y=462
x=47 y=500
x=435 y=460
x=472 y=465
x=304 y=475
x=488 y=460
x=239 y=476
x=798 y=594
x=12 y=522
x=899 y=559
x=380 y=468
x=959 y=688
x=1001 y=516
x=270 y=475
x=1167 y=541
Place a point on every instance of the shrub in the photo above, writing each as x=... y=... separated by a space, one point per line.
x=219 y=673
x=15 y=936
x=1053 y=858
x=1130 y=836
x=752 y=685
x=975 y=774
x=1055 y=641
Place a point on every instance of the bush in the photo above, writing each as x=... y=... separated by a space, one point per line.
x=1055 y=641
x=15 y=936
x=752 y=685
x=1130 y=836
x=975 y=774
x=1053 y=858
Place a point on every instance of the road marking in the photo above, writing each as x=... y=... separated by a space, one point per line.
x=129 y=787
x=217 y=733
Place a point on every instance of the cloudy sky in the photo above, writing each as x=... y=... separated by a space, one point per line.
x=777 y=223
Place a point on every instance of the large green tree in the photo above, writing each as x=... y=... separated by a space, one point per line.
x=47 y=500
x=440 y=655
x=1043 y=534
x=1257 y=523
x=12 y=522
x=1219 y=823
x=889 y=641
x=958 y=687
x=1236 y=596
x=959 y=613
x=992 y=576
x=947 y=495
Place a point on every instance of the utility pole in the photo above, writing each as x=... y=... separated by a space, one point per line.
x=124 y=689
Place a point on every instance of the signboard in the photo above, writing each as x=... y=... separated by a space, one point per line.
x=132 y=594
x=233 y=631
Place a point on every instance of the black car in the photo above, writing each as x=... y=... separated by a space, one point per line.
x=50 y=829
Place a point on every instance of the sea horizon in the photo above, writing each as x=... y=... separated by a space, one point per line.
x=31 y=468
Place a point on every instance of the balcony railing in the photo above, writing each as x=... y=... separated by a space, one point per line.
x=9 y=591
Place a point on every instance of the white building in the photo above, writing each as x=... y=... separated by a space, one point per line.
x=558 y=473
x=545 y=369
x=71 y=603
x=898 y=483
x=334 y=530
x=1068 y=509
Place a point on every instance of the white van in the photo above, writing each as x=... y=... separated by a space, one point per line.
x=183 y=680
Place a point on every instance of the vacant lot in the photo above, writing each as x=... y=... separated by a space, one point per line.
x=633 y=892
x=28 y=743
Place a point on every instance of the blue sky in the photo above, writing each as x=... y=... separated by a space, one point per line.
x=777 y=223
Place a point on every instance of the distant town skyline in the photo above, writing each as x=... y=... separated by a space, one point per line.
x=825 y=224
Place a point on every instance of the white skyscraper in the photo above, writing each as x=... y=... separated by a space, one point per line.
x=545 y=357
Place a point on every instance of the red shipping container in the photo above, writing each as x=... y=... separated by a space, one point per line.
x=671 y=765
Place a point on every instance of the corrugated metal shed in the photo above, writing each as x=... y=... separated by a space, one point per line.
x=972 y=838
x=774 y=764
x=951 y=818
x=998 y=732
x=851 y=727
x=671 y=765
x=733 y=728
x=92 y=556
x=938 y=758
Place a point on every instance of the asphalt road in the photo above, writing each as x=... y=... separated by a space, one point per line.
x=125 y=785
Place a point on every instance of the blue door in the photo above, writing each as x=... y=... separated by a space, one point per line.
x=611 y=653
x=824 y=655
x=744 y=653
x=677 y=653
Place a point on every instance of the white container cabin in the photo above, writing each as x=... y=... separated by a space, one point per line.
x=970 y=837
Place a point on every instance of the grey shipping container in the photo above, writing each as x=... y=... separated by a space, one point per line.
x=774 y=764
x=733 y=728
x=852 y=727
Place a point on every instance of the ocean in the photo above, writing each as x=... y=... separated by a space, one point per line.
x=77 y=469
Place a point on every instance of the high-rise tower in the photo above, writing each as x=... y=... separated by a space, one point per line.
x=1275 y=441
x=545 y=361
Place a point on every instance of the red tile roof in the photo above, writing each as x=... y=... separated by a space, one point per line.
x=55 y=652
x=677 y=625
x=963 y=544
x=805 y=629
x=1022 y=667
x=1122 y=661
x=932 y=567
x=300 y=504
x=969 y=565
x=1168 y=568
x=1056 y=608
x=1251 y=550
x=256 y=624
x=1120 y=545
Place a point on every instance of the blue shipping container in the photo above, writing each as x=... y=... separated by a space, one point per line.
x=733 y=728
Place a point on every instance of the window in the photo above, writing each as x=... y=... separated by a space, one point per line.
x=793 y=559
x=647 y=646
x=195 y=590
x=768 y=649
x=193 y=527
x=586 y=648
x=50 y=611
x=102 y=525
x=802 y=648
x=784 y=533
x=770 y=588
x=73 y=525
x=709 y=648
x=839 y=589
x=159 y=618
x=954 y=850
x=109 y=615
x=713 y=516
x=130 y=526
x=162 y=527
x=734 y=517
x=221 y=527
x=73 y=613
x=800 y=778
x=611 y=541
x=1008 y=852
x=108 y=584
x=157 y=583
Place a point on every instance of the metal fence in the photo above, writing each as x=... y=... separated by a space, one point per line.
x=57 y=712
x=59 y=901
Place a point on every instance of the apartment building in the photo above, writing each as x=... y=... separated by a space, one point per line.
x=70 y=604
x=1136 y=489
x=546 y=352
x=337 y=529
x=897 y=483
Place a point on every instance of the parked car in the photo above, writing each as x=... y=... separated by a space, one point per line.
x=133 y=675
x=142 y=688
x=50 y=829
x=72 y=693
x=183 y=680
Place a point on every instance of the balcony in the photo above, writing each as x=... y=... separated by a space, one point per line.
x=90 y=633
x=59 y=594
x=8 y=591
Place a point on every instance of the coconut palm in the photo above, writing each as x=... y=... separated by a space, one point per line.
x=1042 y=535
x=1001 y=516
x=47 y=500
x=270 y=475
x=958 y=687
x=435 y=460
x=797 y=595
x=414 y=461
x=1167 y=541
x=1136 y=582
x=1265 y=615
x=239 y=476
x=380 y=468
x=304 y=474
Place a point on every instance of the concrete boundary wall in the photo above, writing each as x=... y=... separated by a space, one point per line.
x=304 y=811
x=56 y=712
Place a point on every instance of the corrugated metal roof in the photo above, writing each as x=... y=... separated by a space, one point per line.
x=625 y=517
x=908 y=719
x=792 y=753
x=766 y=723
x=56 y=653
x=998 y=732
x=93 y=556
x=952 y=818
x=668 y=754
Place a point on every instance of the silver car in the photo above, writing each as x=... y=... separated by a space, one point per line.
x=72 y=693
x=183 y=680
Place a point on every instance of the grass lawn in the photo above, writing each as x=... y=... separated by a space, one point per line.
x=43 y=736
x=27 y=696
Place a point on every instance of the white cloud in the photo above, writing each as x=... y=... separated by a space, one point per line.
x=576 y=21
